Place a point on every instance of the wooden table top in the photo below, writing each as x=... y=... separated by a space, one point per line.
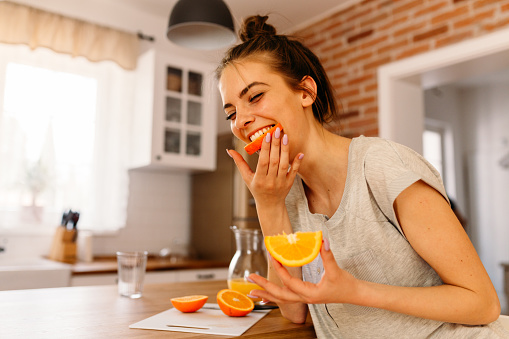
x=99 y=312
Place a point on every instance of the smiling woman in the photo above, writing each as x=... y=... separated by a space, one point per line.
x=62 y=126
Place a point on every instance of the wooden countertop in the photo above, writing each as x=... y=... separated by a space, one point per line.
x=109 y=265
x=99 y=312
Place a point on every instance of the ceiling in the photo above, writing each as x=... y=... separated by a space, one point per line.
x=285 y=15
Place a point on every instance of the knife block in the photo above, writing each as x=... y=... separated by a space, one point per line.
x=63 y=247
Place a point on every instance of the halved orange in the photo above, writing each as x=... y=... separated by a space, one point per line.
x=190 y=303
x=233 y=303
x=295 y=249
x=256 y=144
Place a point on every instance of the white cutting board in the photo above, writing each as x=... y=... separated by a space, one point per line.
x=209 y=321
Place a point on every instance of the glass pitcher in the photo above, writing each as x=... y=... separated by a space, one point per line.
x=249 y=258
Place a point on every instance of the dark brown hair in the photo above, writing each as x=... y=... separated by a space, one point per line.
x=288 y=57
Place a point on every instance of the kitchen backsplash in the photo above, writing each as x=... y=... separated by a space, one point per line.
x=158 y=214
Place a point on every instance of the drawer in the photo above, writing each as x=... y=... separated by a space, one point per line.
x=202 y=274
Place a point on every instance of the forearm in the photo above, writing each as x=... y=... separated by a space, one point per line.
x=443 y=303
x=274 y=220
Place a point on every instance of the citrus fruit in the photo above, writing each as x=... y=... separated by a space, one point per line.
x=256 y=144
x=233 y=303
x=191 y=303
x=295 y=249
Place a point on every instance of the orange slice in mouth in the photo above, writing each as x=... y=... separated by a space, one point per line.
x=256 y=144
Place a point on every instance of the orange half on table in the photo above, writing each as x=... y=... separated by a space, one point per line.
x=233 y=303
x=256 y=144
x=191 y=303
x=295 y=249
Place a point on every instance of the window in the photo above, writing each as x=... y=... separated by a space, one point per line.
x=438 y=149
x=63 y=127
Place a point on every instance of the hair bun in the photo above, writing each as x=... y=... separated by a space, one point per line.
x=255 y=26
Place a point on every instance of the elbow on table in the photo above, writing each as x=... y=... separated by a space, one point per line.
x=295 y=317
x=492 y=311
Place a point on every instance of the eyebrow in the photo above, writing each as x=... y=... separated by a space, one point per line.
x=244 y=91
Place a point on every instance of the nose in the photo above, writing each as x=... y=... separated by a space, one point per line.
x=243 y=119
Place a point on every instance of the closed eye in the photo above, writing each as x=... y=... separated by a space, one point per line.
x=231 y=116
x=256 y=97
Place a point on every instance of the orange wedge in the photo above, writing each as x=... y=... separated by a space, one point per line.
x=295 y=249
x=233 y=303
x=256 y=144
x=191 y=303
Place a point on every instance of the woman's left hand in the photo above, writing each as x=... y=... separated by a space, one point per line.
x=336 y=285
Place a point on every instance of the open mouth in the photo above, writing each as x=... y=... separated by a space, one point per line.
x=257 y=138
x=260 y=132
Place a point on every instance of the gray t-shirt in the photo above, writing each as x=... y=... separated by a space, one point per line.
x=368 y=242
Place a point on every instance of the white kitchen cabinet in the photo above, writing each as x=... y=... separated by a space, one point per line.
x=175 y=114
x=154 y=277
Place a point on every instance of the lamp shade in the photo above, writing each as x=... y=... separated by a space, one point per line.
x=201 y=24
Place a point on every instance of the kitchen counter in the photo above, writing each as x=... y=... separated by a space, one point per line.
x=109 y=265
x=99 y=312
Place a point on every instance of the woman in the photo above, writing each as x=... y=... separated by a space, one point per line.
x=395 y=261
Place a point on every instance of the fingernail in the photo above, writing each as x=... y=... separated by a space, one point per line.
x=267 y=137
x=250 y=280
x=326 y=244
x=285 y=139
x=277 y=134
x=252 y=296
x=228 y=152
x=301 y=156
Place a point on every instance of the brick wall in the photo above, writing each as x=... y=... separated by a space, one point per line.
x=355 y=41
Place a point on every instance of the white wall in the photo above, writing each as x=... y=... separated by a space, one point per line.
x=486 y=125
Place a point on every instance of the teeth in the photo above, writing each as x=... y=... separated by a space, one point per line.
x=260 y=133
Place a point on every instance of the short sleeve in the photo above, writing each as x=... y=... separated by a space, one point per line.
x=390 y=168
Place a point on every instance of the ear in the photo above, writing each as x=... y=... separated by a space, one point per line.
x=308 y=97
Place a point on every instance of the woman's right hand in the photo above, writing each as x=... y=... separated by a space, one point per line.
x=272 y=180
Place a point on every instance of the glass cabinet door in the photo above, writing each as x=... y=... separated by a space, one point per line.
x=183 y=112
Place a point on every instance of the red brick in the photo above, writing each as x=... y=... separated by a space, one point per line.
x=371 y=87
x=340 y=34
x=359 y=36
x=362 y=102
x=395 y=21
x=371 y=110
x=482 y=3
x=358 y=58
x=337 y=45
x=497 y=25
x=407 y=6
x=413 y=51
x=344 y=52
x=349 y=93
x=454 y=38
x=504 y=8
x=430 y=9
x=408 y=29
x=349 y=114
x=374 y=20
x=377 y=63
x=474 y=19
x=360 y=79
x=363 y=123
x=431 y=33
x=358 y=15
x=392 y=46
x=449 y=15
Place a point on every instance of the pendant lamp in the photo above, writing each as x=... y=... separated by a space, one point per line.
x=201 y=24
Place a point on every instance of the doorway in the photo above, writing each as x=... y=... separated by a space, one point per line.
x=462 y=76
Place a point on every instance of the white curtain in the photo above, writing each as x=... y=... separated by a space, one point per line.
x=100 y=191
x=21 y=24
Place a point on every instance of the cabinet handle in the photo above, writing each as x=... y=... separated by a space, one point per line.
x=206 y=276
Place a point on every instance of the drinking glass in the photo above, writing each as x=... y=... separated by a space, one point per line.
x=131 y=273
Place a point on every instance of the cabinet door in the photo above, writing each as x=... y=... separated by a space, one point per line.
x=203 y=274
x=187 y=130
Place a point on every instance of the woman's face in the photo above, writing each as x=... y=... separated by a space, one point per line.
x=255 y=97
